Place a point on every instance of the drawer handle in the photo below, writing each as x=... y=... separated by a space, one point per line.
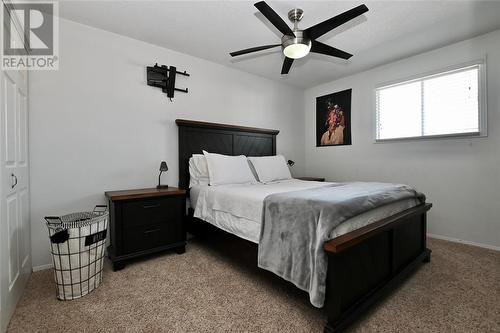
x=151 y=231
x=150 y=206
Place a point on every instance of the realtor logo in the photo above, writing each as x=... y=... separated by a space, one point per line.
x=30 y=35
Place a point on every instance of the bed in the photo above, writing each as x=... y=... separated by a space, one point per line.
x=367 y=255
x=238 y=208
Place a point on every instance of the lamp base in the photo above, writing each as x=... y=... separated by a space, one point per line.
x=161 y=187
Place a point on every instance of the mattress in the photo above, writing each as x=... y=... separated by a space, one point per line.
x=238 y=208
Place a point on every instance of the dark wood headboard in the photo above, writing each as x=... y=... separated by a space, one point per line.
x=196 y=136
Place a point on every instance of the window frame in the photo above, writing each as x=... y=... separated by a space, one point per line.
x=482 y=101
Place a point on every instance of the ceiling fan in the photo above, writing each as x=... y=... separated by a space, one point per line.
x=298 y=43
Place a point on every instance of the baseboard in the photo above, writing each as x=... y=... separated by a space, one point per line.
x=456 y=240
x=49 y=266
x=41 y=267
x=450 y=239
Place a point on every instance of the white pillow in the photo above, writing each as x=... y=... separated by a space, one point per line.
x=271 y=168
x=225 y=169
x=198 y=170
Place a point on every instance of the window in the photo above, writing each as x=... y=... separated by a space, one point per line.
x=443 y=104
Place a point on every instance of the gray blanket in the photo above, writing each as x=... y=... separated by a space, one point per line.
x=297 y=224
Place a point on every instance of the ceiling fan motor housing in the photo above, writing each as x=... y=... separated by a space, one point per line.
x=297 y=46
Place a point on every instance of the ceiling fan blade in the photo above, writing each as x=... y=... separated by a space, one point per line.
x=318 y=47
x=322 y=28
x=274 y=18
x=253 y=49
x=287 y=63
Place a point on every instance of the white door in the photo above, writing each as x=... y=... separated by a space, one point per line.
x=15 y=241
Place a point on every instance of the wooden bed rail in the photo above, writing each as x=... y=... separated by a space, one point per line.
x=354 y=237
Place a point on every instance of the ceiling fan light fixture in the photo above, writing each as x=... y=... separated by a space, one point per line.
x=296 y=51
x=297 y=46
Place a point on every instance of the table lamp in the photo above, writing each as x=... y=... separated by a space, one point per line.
x=163 y=167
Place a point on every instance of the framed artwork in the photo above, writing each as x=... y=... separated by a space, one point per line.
x=333 y=119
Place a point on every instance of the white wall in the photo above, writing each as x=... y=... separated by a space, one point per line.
x=461 y=177
x=95 y=125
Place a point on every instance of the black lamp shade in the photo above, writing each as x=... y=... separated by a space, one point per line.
x=163 y=166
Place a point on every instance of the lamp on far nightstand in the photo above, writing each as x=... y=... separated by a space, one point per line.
x=163 y=167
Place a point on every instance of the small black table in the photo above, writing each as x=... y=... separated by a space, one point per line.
x=145 y=221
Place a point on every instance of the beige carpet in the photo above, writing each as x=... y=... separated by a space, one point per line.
x=213 y=288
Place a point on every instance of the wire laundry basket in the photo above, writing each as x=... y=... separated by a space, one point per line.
x=77 y=245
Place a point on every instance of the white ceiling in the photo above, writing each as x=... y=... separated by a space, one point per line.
x=391 y=30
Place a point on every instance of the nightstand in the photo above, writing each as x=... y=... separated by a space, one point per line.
x=313 y=179
x=145 y=221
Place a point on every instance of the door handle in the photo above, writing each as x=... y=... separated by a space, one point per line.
x=15 y=180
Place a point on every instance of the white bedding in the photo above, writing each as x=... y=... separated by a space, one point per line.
x=238 y=208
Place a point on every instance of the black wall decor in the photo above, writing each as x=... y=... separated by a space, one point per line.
x=333 y=119
x=164 y=77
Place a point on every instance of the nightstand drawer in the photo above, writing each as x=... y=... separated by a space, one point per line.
x=150 y=236
x=152 y=211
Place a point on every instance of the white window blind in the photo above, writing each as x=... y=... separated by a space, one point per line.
x=447 y=103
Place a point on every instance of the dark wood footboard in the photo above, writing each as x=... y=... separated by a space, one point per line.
x=366 y=264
